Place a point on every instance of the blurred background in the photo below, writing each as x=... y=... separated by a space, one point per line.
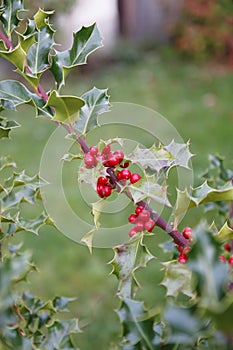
x=174 y=56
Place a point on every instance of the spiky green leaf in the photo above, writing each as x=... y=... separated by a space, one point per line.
x=9 y=14
x=202 y=194
x=96 y=103
x=177 y=279
x=16 y=94
x=6 y=126
x=85 y=41
x=148 y=188
x=66 y=107
x=161 y=157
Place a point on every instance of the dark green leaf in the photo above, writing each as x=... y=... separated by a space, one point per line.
x=85 y=41
x=96 y=103
x=16 y=93
x=9 y=14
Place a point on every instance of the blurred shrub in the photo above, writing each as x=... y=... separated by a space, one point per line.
x=205 y=31
x=60 y=6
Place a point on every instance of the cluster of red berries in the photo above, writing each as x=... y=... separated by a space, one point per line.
x=227 y=257
x=110 y=159
x=183 y=252
x=142 y=221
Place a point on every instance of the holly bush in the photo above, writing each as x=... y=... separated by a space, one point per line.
x=197 y=263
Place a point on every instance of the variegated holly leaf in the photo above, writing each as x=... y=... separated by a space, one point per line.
x=177 y=279
x=85 y=41
x=148 y=188
x=202 y=194
x=96 y=103
x=161 y=157
x=128 y=258
x=6 y=126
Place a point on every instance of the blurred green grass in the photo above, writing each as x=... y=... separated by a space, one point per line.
x=197 y=100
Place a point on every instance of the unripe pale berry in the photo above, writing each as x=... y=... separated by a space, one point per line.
x=135 y=178
x=93 y=150
x=149 y=225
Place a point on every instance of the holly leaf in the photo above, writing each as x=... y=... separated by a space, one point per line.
x=9 y=14
x=128 y=258
x=177 y=279
x=96 y=103
x=180 y=152
x=161 y=157
x=186 y=326
x=6 y=126
x=147 y=187
x=6 y=162
x=225 y=233
x=17 y=57
x=209 y=273
x=38 y=52
x=59 y=335
x=15 y=93
x=137 y=325
x=202 y=194
x=66 y=107
x=85 y=41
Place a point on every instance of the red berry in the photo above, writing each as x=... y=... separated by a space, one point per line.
x=149 y=225
x=132 y=218
x=93 y=150
x=124 y=165
x=144 y=215
x=187 y=232
x=103 y=190
x=119 y=176
x=227 y=247
x=139 y=226
x=182 y=258
x=106 y=149
x=222 y=258
x=179 y=248
x=125 y=174
x=132 y=232
x=119 y=155
x=230 y=261
x=111 y=162
x=102 y=180
x=89 y=160
x=139 y=209
x=135 y=178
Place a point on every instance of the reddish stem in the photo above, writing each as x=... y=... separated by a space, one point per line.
x=5 y=40
x=161 y=222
